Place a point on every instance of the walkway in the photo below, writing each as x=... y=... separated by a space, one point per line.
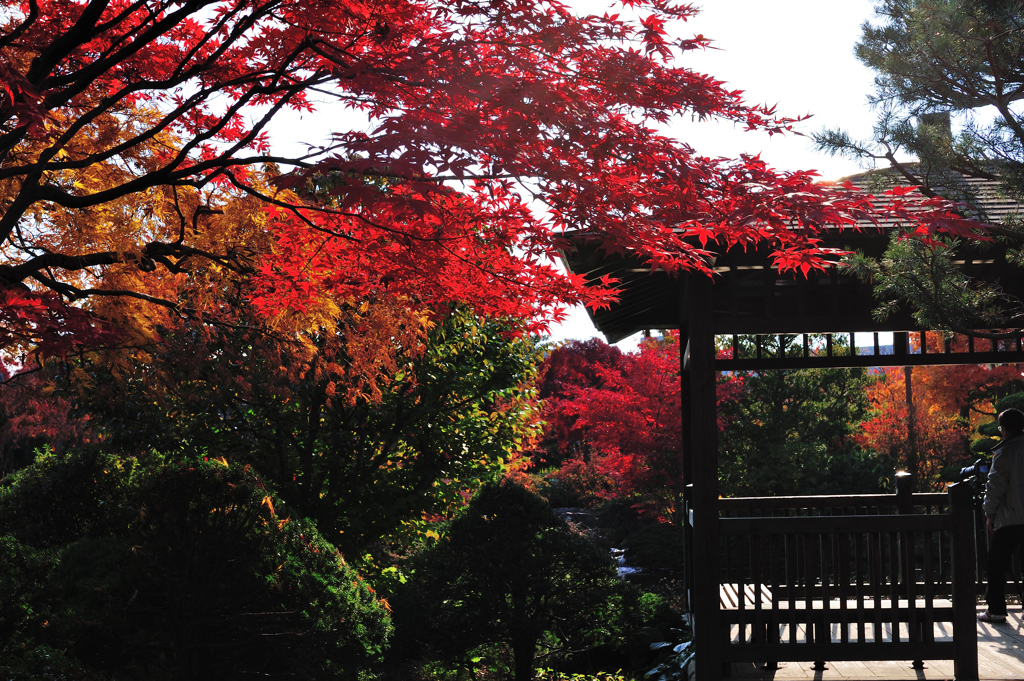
x=1000 y=657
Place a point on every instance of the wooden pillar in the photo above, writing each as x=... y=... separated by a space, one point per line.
x=708 y=635
x=965 y=602
x=687 y=449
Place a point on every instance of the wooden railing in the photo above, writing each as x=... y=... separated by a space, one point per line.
x=864 y=577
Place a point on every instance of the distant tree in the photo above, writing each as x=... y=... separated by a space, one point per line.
x=938 y=439
x=931 y=440
x=33 y=416
x=506 y=572
x=569 y=368
x=790 y=432
x=989 y=429
x=627 y=422
x=632 y=424
x=965 y=390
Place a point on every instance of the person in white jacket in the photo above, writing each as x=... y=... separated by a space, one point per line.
x=1004 y=510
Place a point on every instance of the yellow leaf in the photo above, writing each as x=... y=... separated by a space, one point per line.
x=269 y=504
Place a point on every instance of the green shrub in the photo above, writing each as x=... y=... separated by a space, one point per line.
x=167 y=569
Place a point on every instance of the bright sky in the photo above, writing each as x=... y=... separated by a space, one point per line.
x=796 y=54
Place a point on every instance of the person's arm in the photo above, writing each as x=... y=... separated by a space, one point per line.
x=995 y=488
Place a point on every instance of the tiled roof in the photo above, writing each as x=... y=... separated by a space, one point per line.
x=984 y=199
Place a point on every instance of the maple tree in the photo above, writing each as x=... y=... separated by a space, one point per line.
x=32 y=416
x=127 y=127
x=938 y=442
x=633 y=425
x=568 y=369
x=968 y=391
x=946 y=404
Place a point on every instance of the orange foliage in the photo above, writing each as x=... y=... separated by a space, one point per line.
x=940 y=438
x=969 y=390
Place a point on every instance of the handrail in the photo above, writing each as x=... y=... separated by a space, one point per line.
x=833 y=524
x=828 y=501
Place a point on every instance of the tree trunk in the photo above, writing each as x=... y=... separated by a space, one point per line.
x=523 y=649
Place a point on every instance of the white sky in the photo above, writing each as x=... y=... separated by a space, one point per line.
x=796 y=54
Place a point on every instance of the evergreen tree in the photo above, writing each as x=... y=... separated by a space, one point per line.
x=508 y=572
x=790 y=433
x=940 y=63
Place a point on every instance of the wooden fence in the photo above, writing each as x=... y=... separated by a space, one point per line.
x=860 y=577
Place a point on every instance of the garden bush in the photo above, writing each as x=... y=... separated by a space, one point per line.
x=159 y=568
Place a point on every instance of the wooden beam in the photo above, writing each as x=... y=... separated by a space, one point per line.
x=862 y=524
x=850 y=361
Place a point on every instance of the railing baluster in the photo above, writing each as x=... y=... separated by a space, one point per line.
x=860 y=541
x=928 y=625
x=825 y=550
x=808 y=547
x=792 y=580
x=756 y=566
x=777 y=554
x=894 y=584
x=875 y=553
x=741 y=588
x=843 y=575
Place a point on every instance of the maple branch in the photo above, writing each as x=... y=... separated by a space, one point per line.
x=86 y=77
x=294 y=209
x=11 y=274
x=80 y=33
x=75 y=293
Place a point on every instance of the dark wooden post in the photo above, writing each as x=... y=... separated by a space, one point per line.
x=904 y=492
x=965 y=602
x=905 y=506
x=908 y=382
x=707 y=634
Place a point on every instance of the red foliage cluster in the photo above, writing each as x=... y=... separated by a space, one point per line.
x=618 y=416
x=477 y=109
x=945 y=399
x=31 y=416
x=949 y=401
x=48 y=325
